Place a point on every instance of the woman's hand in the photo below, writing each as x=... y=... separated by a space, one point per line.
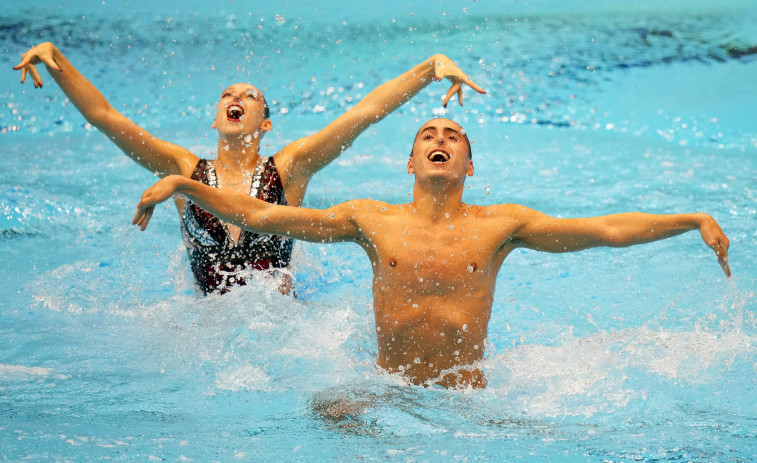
x=42 y=53
x=445 y=67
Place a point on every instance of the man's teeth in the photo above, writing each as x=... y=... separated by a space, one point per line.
x=438 y=156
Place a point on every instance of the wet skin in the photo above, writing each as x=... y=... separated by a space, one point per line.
x=435 y=260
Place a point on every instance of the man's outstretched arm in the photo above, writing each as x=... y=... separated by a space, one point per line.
x=148 y=151
x=544 y=233
x=316 y=225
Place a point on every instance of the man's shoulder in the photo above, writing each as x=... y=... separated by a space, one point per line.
x=372 y=205
x=502 y=210
x=367 y=206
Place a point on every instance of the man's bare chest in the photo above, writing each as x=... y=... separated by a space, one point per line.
x=434 y=259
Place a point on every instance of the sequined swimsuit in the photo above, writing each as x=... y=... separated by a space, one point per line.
x=217 y=262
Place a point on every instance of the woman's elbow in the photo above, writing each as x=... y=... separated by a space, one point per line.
x=101 y=118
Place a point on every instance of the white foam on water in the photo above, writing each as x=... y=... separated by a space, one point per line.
x=327 y=333
x=21 y=372
x=589 y=375
x=247 y=377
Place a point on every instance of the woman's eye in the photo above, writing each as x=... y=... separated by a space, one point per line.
x=428 y=136
x=453 y=138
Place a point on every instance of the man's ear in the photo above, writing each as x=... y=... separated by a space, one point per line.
x=266 y=125
x=469 y=170
x=214 y=124
x=410 y=168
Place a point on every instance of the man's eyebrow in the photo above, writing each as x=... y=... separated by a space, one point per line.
x=444 y=130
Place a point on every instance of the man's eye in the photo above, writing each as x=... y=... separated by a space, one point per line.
x=428 y=136
x=453 y=138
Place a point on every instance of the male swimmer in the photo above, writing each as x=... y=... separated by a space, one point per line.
x=435 y=260
x=220 y=253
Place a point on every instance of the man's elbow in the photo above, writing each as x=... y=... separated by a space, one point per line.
x=616 y=238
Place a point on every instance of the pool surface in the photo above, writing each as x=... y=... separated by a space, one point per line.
x=639 y=354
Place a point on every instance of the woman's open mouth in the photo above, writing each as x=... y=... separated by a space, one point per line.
x=234 y=112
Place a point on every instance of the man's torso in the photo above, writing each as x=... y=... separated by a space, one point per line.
x=433 y=287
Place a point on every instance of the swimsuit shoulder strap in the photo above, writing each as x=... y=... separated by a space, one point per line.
x=204 y=172
x=257 y=177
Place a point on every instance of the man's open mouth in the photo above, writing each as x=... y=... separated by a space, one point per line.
x=438 y=156
x=234 y=112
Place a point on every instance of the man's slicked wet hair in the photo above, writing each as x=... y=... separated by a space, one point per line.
x=464 y=134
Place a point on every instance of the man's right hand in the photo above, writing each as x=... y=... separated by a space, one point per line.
x=156 y=194
x=42 y=53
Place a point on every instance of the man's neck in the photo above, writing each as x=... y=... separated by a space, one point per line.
x=437 y=202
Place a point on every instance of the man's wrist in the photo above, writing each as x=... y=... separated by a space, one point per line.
x=700 y=219
x=179 y=184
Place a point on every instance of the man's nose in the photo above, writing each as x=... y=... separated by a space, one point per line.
x=440 y=141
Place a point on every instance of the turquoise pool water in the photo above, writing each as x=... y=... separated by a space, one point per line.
x=640 y=354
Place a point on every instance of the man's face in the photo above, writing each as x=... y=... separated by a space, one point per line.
x=241 y=109
x=440 y=148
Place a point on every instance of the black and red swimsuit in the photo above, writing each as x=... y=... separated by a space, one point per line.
x=217 y=262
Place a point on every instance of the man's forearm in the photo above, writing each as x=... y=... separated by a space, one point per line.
x=633 y=228
x=231 y=207
x=315 y=225
x=548 y=234
x=637 y=228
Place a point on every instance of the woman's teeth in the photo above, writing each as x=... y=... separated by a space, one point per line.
x=234 y=112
